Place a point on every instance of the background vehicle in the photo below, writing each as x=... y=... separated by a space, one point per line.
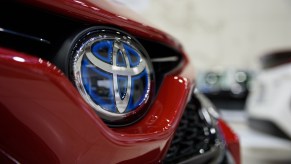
x=269 y=102
x=227 y=89
x=44 y=119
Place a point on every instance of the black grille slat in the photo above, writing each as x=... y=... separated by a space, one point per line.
x=192 y=137
x=34 y=31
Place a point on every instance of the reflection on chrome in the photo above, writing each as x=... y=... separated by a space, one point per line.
x=165 y=59
x=11 y=32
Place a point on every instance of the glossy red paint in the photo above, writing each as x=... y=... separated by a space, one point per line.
x=231 y=139
x=42 y=116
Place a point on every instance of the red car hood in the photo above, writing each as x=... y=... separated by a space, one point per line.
x=106 y=12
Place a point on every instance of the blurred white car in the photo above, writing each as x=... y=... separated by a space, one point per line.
x=269 y=102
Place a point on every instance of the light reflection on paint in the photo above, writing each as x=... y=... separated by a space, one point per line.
x=19 y=59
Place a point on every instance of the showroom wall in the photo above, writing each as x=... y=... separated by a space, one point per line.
x=225 y=33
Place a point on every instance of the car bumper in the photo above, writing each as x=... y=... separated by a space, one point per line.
x=41 y=105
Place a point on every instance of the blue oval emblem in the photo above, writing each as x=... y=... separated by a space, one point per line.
x=112 y=74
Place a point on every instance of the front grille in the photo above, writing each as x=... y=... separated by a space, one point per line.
x=194 y=136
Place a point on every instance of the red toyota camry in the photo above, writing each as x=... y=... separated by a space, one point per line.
x=84 y=81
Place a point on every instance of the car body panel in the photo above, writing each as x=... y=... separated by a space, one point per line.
x=107 y=13
x=232 y=141
x=37 y=96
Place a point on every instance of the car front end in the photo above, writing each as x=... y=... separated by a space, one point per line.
x=90 y=82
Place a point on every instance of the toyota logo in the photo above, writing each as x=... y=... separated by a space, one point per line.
x=112 y=73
